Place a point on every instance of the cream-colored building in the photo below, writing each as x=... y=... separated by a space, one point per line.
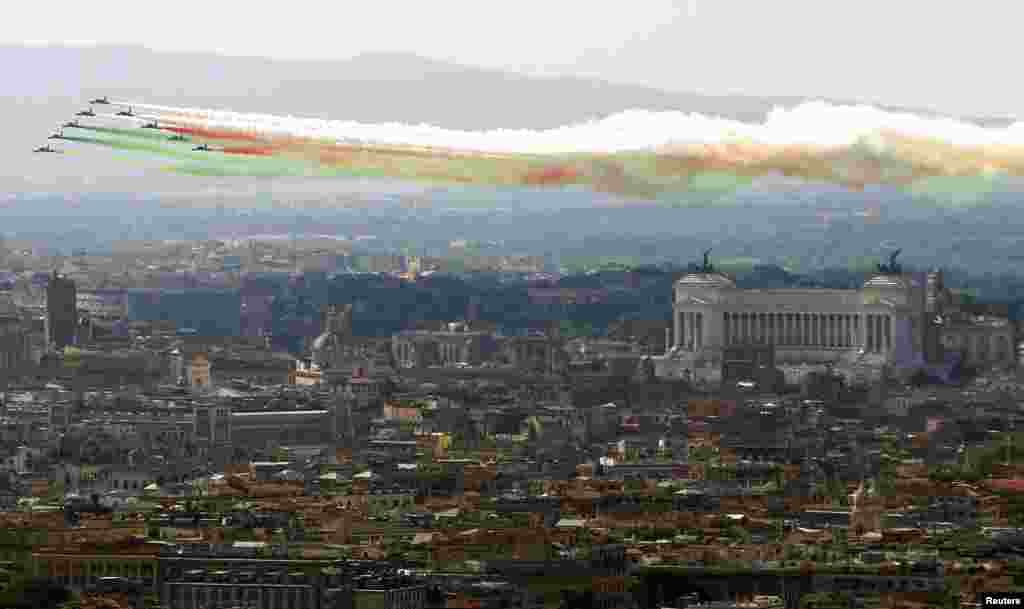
x=887 y=322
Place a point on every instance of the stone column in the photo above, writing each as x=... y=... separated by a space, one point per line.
x=677 y=326
x=698 y=325
x=691 y=333
x=684 y=325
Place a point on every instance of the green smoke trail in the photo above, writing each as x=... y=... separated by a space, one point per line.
x=137 y=133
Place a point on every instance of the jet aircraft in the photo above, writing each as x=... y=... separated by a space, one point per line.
x=74 y=124
x=202 y=147
x=47 y=148
x=177 y=137
x=88 y=112
x=151 y=125
x=57 y=136
x=127 y=112
x=100 y=100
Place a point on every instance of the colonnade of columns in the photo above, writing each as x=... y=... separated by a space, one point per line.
x=873 y=332
x=689 y=328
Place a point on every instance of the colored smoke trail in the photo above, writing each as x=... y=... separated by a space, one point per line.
x=213 y=134
x=144 y=134
x=816 y=125
x=653 y=155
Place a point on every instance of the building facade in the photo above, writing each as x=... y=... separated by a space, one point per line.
x=61 y=311
x=15 y=348
x=456 y=344
x=888 y=322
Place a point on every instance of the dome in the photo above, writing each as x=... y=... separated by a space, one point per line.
x=322 y=341
x=706 y=280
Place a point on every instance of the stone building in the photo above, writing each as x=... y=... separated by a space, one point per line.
x=339 y=355
x=61 y=311
x=536 y=353
x=14 y=341
x=888 y=322
x=456 y=343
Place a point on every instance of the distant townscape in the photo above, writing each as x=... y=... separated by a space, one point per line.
x=262 y=425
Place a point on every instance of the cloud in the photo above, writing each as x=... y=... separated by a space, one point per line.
x=817 y=125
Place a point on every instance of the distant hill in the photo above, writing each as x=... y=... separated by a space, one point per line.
x=374 y=87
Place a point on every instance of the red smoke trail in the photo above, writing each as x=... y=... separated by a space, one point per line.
x=554 y=174
x=214 y=134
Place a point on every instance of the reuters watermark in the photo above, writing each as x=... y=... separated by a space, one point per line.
x=1001 y=599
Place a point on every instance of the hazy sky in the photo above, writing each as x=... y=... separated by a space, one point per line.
x=950 y=56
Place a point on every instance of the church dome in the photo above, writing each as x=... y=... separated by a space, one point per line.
x=322 y=341
x=706 y=280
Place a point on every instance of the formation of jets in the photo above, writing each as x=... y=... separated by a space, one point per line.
x=177 y=137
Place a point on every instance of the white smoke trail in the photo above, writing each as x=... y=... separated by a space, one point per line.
x=816 y=124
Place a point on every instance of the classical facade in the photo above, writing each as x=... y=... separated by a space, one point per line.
x=457 y=343
x=887 y=322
